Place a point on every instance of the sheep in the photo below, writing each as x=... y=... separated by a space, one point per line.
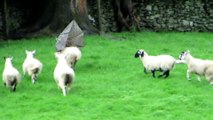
x=73 y=55
x=11 y=76
x=162 y=63
x=63 y=73
x=32 y=65
x=198 y=66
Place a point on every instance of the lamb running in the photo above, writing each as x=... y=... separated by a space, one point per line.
x=32 y=66
x=11 y=76
x=63 y=74
x=198 y=66
x=73 y=55
x=162 y=63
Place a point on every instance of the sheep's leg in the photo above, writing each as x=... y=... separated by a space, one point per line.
x=32 y=80
x=58 y=84
x=24 y=72
x=5 y=84
x=62 y=86
x=188 y=74
x=34 y=77
x=210 y=80
x=64 y=91
x=161 y=75
x=167 y=73
x=198 y=78
x=153 y=73
x=13 y=84
x=144 y=70
x=74 y=63
x=69 y=86
x=14 y=87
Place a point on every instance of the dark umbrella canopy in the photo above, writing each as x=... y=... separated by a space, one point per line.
x=72 y=35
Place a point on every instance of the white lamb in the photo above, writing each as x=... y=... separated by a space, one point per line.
x=11 y=76
x=63 y=74
x=198 y=66
x=32 y=66
x=73 y=55
x=163 y=63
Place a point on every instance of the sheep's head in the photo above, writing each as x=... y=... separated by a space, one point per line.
x=30 y=53
x=183 y=55
x=8 y=59
x=139 y=53
x=60 y=56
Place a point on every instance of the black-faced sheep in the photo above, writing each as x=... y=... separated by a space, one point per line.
x=163 y=63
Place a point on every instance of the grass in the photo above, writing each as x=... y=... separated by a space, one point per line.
x=110 y=83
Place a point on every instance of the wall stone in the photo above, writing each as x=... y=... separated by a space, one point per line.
x=164 y=15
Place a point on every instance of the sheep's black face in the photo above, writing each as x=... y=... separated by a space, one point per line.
x=139 y=53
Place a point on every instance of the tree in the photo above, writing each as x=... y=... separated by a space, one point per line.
x=4 y=20
x=122 y=10
x=35 y=17
x=80 y=14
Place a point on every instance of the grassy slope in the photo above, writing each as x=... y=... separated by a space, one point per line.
x=110 y=83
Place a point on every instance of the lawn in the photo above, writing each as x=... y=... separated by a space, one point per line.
x=110 y=83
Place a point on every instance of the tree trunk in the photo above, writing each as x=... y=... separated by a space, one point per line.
x=36 y=17
x=123 y=9
x=99 y=17
x=80 y=14
x=5 y=20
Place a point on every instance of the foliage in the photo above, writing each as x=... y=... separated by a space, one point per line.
x=110 y=83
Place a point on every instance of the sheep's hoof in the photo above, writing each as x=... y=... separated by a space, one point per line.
x=160 y=76
x=166 y=76
x=14 y=89
x=33 y=81
x=64 y=92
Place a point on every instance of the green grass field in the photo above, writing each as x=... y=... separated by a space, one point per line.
x=110 y=83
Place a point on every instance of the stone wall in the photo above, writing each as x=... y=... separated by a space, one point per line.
x=164 y=15
x=155 y=15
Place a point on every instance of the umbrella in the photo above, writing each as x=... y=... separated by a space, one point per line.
x=72 y=35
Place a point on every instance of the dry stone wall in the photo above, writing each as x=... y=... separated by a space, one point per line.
x=164 y=15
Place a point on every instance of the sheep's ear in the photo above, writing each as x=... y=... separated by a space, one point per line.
x=136 y=54
x=11 y=58
x=188 y=51
x=142 y=54
x=34 y=51
x=26 y=51
x=56 y=54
